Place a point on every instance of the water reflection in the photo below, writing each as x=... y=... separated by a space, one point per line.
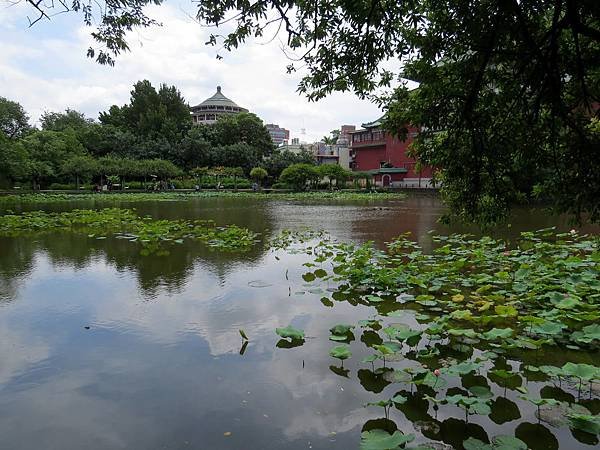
x=102 y=348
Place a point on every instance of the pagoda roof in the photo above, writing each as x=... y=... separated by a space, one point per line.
x=218 y=99
x=374 y=124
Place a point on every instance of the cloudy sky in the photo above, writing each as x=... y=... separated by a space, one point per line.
x=45 y=68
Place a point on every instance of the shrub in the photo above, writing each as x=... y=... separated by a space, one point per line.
x=299 y=175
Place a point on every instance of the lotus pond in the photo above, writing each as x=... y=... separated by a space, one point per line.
x=235 y=322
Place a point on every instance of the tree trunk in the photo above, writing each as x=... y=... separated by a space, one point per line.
x=77 y=182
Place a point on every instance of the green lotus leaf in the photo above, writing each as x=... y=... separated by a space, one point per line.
x=480 y=408
x=433 y=381
x=504 y=442
x=341 y=329
x=548 y=328
x=540 y=401
x=506 y=310
x=568 y=303
x=503 y=373
x=463 y=368
x=382 y=440
x=476 y=444
x=588 y=334
x=320 y=273
x=467 y=332
x=498 y=333
x=584 y=422
x=583 y=371
x=290 y=332
x=551 y=371
x=464 y=314
x=399 y=399
x=368 y=323
x=308 y=277
x=337 y=338
x=481 y=392
x=340 y=352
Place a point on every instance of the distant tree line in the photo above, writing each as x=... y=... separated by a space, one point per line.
x=151 y=137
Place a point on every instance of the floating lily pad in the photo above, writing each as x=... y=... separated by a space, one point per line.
x=382 y=440
x=340 y=352
x=290 y=332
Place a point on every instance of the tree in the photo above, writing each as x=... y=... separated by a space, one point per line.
x=101 y=140
x=280 y=159
x=48 y=151
x=81 y=166
x=244 y=128
x=163 y=169
x=151 y=114
x=334 y=172
x=299 y=175
x=332 y=138
x=14 y=122
x=195 y=149
x=236 y=155
x=57 y=121
x=259 y=174
x=14 y=159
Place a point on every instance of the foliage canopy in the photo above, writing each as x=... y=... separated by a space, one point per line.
x=507 y=90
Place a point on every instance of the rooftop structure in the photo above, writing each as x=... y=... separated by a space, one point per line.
x=278 y=135
x=210 y=109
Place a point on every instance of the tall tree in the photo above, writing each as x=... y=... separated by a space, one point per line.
x=14 y=122
x=14 y=160
x=48 y=151
x=60 y=121
x=244 y=128
x=151 y=114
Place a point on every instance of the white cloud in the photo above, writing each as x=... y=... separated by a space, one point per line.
x=45 y=68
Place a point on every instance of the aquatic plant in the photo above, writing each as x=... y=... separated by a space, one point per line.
x=482 y=306
x=113 y=197
x=152 y=234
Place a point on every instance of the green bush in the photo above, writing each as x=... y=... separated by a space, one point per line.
x=281 y=185
x=300 y=176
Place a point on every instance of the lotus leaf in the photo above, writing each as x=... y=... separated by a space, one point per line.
x=340 y=352
x=506 y=310
x=382 y=440
x=341 y=329
x=481 y=391
x=290 y=332
x=504 y=442
x=549 y=328
x=582 y=371
x=476 y=444
x=498 y=333
x=584 y=422
x=463 y=368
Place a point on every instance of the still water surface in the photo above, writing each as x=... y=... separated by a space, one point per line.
x=101 y=348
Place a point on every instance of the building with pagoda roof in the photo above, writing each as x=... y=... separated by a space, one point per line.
x=210 y=109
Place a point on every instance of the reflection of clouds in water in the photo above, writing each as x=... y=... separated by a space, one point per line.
x=206 y=308
x=307 y=422
x=60 y=411
x=19 y=351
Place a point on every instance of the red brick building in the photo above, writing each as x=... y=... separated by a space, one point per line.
x=385 y=157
